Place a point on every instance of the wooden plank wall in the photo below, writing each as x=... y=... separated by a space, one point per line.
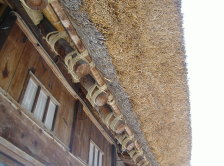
x=27 y=136
x=85 y=131
x=17 y=57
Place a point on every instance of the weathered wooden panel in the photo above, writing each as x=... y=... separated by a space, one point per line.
x=28 y=61
x=85 y=131
x=64 y=119
x=10 y=55
x=82 y=136
x=17 y=57
x=26 y=135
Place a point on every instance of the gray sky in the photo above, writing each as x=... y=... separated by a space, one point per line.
x=204 y=36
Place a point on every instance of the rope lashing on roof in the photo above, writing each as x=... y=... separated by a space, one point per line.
x=71 y=61
x=111 y=100
x=40 y=5
x=35 y=15
x=126 y=142
x=94 y=91
x=142 y=161
x=132 y=152
x=54 y=36
x=146 y=164
x=114 y=123
x=137 y=155
x=108 y=118
x=120 y=138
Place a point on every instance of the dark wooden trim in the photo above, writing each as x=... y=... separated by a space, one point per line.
x=72 y=137
x=24 y=87
x=54 y=118
x=113 y=155
x=36 y=99
x=46 y=109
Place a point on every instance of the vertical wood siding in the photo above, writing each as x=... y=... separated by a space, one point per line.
x=85 y=131
x=17 y=57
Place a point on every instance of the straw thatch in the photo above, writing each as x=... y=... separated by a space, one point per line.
x=144 y=40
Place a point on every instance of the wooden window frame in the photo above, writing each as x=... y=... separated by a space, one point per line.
x=99 y=151
x=50 y=97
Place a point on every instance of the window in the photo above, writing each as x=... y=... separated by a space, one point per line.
x=39 y=102
x=95 y=155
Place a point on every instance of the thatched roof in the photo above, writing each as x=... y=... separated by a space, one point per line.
x=138 y=46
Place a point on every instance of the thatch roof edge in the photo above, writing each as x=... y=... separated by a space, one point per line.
x=179 y=8
x=94 y=42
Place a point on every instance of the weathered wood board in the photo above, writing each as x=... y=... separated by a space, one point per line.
x=85 y=131
x=18 y=129
x=17 y=57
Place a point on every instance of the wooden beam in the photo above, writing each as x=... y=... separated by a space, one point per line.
x=68 y=26
x=17 y=154
x=52 y=17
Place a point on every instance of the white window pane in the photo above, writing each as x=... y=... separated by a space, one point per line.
x=91 y=150
x=50 y=115
x=29 y=95
x=96 y=157
x=100 y=159
x=41 y=103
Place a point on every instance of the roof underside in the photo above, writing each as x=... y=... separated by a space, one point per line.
x=138 y=46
